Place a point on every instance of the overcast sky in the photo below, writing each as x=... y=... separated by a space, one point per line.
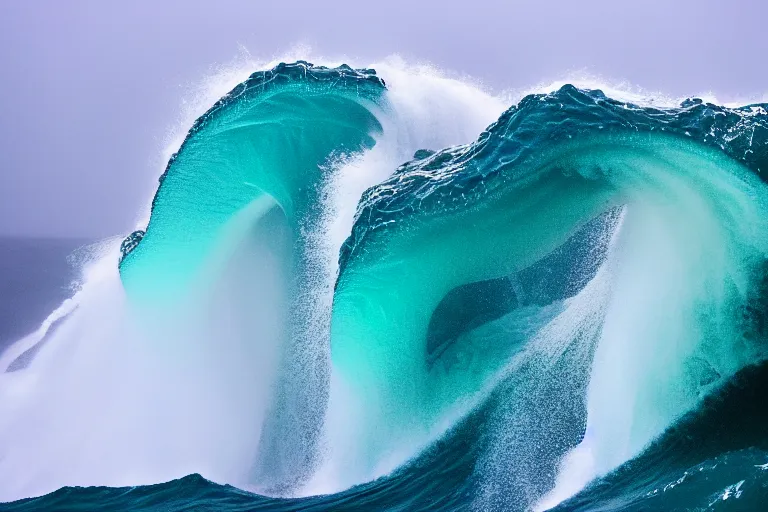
x=89 y=89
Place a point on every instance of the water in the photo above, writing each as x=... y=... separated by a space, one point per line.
x=564 y=309
x=37 y=276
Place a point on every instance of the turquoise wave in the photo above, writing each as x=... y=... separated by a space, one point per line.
x=568 y=313
x=261 y=146
x=495 y=209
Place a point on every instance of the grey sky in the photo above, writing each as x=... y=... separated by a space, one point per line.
x=89 y=88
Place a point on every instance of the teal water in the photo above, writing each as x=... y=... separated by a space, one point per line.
x=567 y=313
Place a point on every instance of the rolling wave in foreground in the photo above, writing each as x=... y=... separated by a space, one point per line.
x=565 y=309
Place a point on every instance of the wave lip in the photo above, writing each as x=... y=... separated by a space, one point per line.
x=458 y=176
x=266 y=140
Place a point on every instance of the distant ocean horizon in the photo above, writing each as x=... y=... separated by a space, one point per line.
x=36 y=275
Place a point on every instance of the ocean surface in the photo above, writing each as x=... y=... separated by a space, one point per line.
x=36 y=276
x=389 y=290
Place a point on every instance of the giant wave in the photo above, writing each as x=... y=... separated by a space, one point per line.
x=564 y=312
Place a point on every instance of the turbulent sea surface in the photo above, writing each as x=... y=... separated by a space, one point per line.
x=389 y=290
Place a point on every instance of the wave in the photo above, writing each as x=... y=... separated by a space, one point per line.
x=538 y=317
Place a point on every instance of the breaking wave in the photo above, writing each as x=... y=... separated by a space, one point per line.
x=328 y=309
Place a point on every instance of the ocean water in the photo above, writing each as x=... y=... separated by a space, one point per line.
x=385 y=289
x=36 y=276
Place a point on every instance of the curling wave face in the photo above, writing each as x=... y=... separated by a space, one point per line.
x=508 y=319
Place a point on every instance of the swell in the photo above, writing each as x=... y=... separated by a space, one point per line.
x=263 y=149
x=473 y=214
